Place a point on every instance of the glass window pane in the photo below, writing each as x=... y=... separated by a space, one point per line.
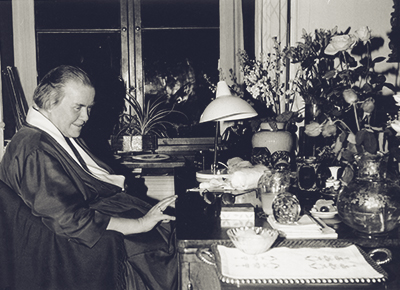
x=77 y=14
x=175 y=62
x=99 y=51
x=180 y=13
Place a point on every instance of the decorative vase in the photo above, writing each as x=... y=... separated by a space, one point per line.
x=308 y=144
x=270 y=184
x=307 y=173
x=370 y=204
x=279 y=145
x=312 y=111
x=332 y=185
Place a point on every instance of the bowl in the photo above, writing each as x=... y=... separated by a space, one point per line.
x=252 y=240
x=324 y=209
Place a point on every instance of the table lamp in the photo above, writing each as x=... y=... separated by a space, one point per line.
x=225 y=107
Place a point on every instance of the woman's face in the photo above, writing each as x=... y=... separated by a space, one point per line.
x=72 y=113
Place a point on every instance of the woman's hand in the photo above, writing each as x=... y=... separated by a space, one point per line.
x=145 y=223
x=156 y=214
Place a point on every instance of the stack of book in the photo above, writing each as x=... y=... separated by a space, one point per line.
x=159 y=187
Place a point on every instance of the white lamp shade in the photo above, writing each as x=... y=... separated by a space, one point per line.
x=227 y=108
x=223 y=89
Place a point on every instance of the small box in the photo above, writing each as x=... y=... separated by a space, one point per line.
x=237 y=215
x=236 y=223
x=237 y=211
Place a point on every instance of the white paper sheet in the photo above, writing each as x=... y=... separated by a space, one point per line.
x=297 y=263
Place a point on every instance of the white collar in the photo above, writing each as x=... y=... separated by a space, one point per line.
x=37 y=119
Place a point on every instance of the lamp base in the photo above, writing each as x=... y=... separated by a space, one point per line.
x=207 y=175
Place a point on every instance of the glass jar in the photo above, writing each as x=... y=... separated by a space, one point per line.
x=270 y=184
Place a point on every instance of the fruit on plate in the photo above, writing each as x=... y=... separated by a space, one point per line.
x=323 y=205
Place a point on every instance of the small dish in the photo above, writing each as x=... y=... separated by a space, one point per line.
x=324 y=209
x=252 y=240
x=323 y=215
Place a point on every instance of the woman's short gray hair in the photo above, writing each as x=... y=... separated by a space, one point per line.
x=50 y=90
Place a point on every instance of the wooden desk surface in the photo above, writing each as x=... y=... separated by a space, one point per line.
x=198 y=226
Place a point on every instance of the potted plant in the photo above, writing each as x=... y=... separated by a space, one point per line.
x=139 y=128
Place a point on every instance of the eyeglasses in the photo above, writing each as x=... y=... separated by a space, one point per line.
x=226 y=196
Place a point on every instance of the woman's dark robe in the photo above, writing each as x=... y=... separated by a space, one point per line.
x=78 y=206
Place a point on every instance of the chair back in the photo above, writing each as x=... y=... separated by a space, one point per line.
x=15 y=95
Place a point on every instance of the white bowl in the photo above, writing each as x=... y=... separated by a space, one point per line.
x=329 y=206
x=252 y=240
x=323 y=214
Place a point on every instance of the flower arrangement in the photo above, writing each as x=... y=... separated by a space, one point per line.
x=263 y=80
x=345 y=89
x=310 y=79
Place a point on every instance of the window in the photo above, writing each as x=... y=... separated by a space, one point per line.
x=157 y=47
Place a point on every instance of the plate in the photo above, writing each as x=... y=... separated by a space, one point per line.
x=151 y=157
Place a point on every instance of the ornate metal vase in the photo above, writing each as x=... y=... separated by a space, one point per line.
x=370 y=204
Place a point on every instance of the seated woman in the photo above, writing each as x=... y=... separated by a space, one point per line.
x=74 y=193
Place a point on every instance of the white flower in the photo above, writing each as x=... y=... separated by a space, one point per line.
x=255 y=91
x=397 y=99
x=395 y=125
x=364 y=34
x=340 y=43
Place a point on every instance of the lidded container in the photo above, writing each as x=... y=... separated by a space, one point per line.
x=370 y=203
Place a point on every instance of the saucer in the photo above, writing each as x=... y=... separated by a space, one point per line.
x=323 y=214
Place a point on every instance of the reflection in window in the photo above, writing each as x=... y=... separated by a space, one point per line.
x=180 y=44
x=77 y=14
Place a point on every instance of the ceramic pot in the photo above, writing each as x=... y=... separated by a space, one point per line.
x=278 y=143
x=370 y=204
x=139 y=143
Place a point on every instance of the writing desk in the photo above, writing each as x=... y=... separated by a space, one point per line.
x=198 y=227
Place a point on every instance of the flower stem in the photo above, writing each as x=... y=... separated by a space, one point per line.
x=355 y=115
x=343 y=123
x=347 y=69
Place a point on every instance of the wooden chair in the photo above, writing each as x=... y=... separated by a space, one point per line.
x=15 y=94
